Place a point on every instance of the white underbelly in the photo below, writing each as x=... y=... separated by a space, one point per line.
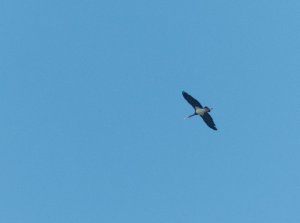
x=200 y=111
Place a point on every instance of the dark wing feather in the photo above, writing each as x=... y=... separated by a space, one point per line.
x=209 y=121
x=191 y=100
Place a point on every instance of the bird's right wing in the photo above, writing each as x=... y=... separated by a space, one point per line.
x=193 y=102
x=209 y=121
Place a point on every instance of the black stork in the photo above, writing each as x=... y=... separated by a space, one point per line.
x=199 y=110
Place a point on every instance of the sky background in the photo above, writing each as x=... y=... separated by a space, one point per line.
x=91 y=115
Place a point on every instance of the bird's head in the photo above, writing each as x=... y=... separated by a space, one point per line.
x=207 y=109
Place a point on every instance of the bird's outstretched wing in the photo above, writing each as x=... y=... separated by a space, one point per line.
x=191 y=100
x=209 y=121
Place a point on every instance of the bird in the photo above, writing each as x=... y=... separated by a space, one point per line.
x=203 y=112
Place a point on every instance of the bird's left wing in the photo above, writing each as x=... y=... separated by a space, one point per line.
x=192 y=101
x=209 y=121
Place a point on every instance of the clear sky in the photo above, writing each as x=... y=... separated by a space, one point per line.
x=91 y=115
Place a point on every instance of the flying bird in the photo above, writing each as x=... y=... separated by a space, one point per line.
x=199 y=110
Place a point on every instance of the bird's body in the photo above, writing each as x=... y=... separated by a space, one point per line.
x=199 y=110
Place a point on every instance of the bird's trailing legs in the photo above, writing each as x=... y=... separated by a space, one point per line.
x=190 y=116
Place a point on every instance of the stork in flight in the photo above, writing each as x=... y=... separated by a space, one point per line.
x=199 y=110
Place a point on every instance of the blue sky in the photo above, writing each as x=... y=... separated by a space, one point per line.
x=91 y=118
